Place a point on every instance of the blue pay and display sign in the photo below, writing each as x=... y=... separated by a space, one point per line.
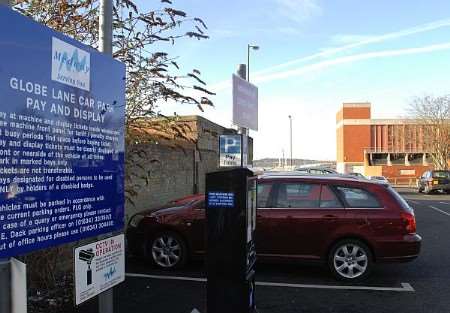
x=230 y=150
x=61 y=138
x=220 y=199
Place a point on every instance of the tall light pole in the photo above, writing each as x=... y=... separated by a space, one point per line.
x=253 y=47
x=290 y=137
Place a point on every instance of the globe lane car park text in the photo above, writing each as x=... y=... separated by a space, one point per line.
x=87 y=104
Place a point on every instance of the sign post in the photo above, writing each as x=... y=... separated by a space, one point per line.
x=62 y=108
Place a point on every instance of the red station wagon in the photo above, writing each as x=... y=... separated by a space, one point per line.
x=347 y=223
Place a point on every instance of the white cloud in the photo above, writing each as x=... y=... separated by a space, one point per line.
x=299 y=10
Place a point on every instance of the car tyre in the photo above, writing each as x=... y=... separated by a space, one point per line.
x=167 y=250
x=350 y=260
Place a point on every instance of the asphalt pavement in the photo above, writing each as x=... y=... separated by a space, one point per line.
x=421 y=286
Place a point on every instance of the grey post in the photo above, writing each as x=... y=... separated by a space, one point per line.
x=5 y=264
x=5 y=286
x=106 y=299
x=253 y=47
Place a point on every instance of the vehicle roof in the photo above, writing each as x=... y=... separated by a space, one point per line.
x=312 y=177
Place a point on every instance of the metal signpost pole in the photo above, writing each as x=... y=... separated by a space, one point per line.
x=106 y=299
x=5 y=264
x=5 y=285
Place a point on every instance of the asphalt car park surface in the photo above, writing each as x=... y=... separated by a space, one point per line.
x=419 y=286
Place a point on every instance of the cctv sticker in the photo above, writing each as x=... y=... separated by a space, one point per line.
x=99 y=266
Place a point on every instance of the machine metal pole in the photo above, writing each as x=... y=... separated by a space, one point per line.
x=106 y=299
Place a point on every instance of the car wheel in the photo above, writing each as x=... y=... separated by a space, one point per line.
x=419 y=189
x=167 y=250
x=350 y=260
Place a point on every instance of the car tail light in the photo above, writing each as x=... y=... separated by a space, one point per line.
x=410 y=222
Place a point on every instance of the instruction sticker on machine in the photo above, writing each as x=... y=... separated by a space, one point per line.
x=99 y=266
x=220 y=199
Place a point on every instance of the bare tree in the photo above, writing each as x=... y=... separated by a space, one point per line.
x=434 y=114
x=153 y=76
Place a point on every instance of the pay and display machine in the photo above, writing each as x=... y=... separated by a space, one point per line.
x=231 y=255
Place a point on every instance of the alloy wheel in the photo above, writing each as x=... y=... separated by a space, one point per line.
x=166 y=251
x=350 y=261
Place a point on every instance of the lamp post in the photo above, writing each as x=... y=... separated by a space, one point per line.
x=290 y=137
x=253 y=47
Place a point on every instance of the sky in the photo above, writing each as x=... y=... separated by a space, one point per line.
x=314 y=55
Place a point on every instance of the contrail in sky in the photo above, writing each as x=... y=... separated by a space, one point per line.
x=263 y=76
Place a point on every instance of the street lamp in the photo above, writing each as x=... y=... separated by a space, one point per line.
x=254 y=47
x=290 y=136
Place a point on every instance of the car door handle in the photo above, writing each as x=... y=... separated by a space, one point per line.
x=330 y=217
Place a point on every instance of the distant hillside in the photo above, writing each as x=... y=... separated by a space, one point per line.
x=272 y=162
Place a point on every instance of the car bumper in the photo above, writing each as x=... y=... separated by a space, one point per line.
x=404 y=250
x=440 y=187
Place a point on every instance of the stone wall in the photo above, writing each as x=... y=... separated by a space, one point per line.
x=177 y=171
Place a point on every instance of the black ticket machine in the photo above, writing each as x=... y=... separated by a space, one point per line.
x=231 y=255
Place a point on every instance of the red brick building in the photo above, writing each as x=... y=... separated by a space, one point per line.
x=392 y=148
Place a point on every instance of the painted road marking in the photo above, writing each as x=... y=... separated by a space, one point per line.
x=405 y=287
x=412 y=201
x=439 y=210
x=444 y=202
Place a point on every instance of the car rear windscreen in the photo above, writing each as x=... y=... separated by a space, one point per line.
x=441 y=174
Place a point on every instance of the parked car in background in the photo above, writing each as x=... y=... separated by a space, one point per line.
x=346 y=223
x=315 y=171
x=380 y=179
x=432 y=181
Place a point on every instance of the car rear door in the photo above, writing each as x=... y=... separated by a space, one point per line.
x=366 y=216
x=298 y=220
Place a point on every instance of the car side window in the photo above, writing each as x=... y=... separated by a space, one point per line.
x=328 y=198
x=263 y=194
x=358 y=198
x=298 y=195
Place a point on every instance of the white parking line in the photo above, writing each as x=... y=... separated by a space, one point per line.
x=439 y=210
x=442 y=202
x=405 y=287
x=412 y=201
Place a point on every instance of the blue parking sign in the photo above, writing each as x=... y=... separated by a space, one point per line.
x=62 y=108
